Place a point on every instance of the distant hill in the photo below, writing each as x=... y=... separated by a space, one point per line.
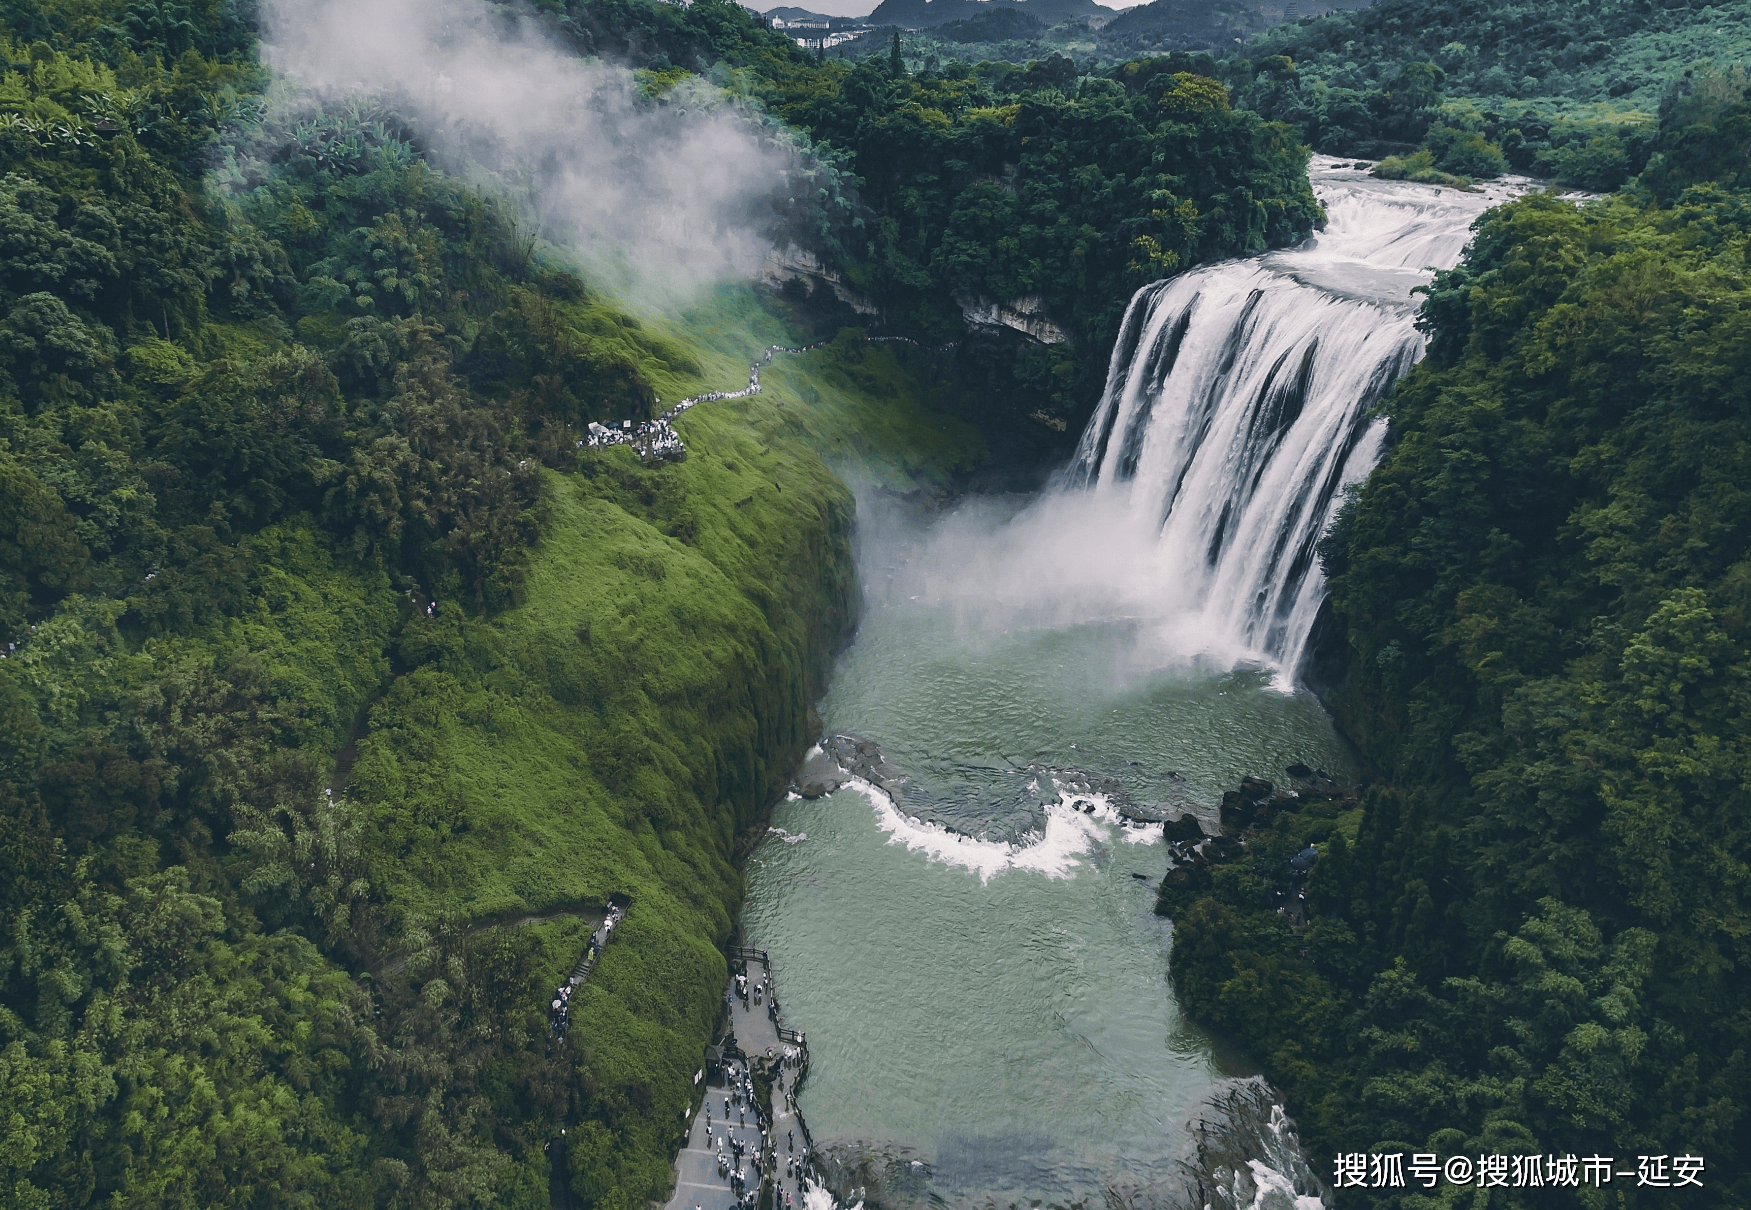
x=926 y=14
x=797 y=14
x=999 y=25
x=1183 y=25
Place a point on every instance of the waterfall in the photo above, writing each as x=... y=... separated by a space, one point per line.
x=1239 y=405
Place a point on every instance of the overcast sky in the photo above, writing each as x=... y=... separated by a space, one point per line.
x=862 y=8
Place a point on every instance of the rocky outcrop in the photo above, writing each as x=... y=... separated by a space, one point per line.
x=863 y=758
x=841 y=757
x=1026 y=315
x=799 y=264
x=1187 y=829
x=1251 y=807
x=819 y=776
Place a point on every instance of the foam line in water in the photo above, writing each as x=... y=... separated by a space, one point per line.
x=1069 y=834
x=1130 y=831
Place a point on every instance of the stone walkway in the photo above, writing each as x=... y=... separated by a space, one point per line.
x=699 y=1185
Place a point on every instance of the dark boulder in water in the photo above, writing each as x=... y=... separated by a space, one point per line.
x=1234 y=811
x=1184 y=883
x=1254 y=788
x=820 y=775
x=1186 y=827
x=1298 y=770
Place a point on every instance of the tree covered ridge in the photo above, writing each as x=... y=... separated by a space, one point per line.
x=1573 y=92
x=1531 y=936
x=288 y=423
x=1075 y=190
x=1503 y=48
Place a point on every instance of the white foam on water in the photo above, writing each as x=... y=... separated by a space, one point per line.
x=816 y=1197
x=1130 y=831
x=1069 y=835
x=1275 y=1192
x=788 y=837
x=1147 y=833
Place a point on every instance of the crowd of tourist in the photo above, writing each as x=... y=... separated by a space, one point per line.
x=738 y=1159
x=559 y=1011
x=656 y=439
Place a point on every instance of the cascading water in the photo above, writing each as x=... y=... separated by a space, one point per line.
x=1239 y=404
x=975 y=960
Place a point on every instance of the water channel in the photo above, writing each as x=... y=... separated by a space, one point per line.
x=988 y=1009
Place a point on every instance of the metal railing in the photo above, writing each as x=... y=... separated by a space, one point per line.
x=749 y=954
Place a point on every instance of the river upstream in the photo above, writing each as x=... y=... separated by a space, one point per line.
x=976 y=964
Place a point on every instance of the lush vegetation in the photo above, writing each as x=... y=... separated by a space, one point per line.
x=1570 y=91
x=328 y=650
x=1449 y=91
x=1509 y=50
x=289 y=470
x=1531 y=936
x=1002 y=181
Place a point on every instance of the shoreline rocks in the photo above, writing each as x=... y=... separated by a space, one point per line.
x=1249 y=808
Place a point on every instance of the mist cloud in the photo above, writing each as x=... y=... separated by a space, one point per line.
x=655 y=200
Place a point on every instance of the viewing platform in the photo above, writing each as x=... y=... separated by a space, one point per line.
x=742 y=1155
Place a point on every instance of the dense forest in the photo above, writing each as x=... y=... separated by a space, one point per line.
x=1530 y=935
x=1570 y=92
x=329 y=654
x=1451 y=91
x=290 y=470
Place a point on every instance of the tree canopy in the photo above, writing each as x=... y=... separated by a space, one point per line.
x=1530 y=935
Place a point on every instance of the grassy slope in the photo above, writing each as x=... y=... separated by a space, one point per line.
x=678 y=619
x=611 y=733
x=614 y=731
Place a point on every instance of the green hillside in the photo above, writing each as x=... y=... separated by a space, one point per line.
x=292 y=470
x=333 y=656
x=1531 y=935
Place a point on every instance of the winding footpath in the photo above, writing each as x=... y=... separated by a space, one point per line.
x=655 y=440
